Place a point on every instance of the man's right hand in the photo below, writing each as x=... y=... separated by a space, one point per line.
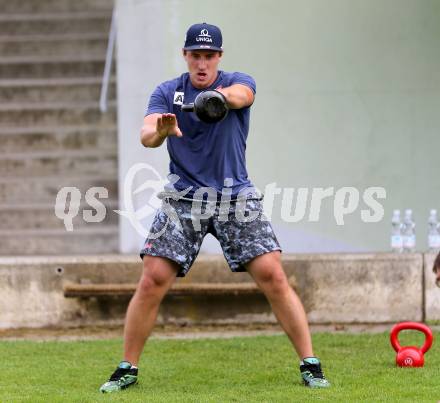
x=157 y=127
x=166 y=125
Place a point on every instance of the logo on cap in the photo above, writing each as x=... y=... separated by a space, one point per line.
x=204 y=36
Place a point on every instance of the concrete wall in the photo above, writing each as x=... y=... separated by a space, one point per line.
x=349 y=288
x=355 y=82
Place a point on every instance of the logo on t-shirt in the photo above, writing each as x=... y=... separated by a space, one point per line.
x=178 y=98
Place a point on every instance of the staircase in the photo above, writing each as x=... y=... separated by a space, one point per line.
x=52 y=133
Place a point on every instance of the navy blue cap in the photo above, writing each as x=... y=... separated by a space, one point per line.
x=203 y=37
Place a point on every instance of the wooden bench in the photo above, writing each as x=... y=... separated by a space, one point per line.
x=208 y=289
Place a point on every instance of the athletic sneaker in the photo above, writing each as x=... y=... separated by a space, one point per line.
x=122 y=378
x=312 y=375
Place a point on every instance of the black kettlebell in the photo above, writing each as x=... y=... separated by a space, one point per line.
x=210 y=106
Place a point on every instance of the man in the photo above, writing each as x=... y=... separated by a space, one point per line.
x=207 y=156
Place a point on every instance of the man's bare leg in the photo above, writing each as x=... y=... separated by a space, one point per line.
x=157 y=277
x=269 y=275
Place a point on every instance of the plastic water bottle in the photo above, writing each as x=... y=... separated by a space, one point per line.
x=408 y=232
x=396 y=232
x=433 y=232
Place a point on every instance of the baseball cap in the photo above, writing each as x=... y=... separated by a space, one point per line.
x=203 y=36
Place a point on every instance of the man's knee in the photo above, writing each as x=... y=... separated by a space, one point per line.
x=275 y=281
x=158 y=275
x=269 y=274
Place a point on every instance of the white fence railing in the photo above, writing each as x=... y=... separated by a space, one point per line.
x=108 y=64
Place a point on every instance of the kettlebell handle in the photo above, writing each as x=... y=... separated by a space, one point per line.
x=411 y=326
x=188 y=107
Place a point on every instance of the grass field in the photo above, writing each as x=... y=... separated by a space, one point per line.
x=248 y=369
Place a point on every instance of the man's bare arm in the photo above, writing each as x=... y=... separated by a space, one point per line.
x=237 y=96
x=157 y=127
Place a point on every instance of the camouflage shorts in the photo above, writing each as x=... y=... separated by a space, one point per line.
x=177 y=232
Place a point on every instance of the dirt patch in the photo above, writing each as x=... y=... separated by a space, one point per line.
x=114 y=332
x=178 y=332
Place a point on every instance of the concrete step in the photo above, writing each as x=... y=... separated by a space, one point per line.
x=16 y=190
x=55 y=113
x=55 y=23
x=54 y=89
x=52 y=66
x=50 y=44
x=63 y=164
x=50 y=6
x=58 y=138
x=34 y=216
x=58 y=242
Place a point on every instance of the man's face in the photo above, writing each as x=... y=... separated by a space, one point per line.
x=202 y=66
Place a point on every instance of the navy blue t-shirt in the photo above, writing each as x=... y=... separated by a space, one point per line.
x=207 y=154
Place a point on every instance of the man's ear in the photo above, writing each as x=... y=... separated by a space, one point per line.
x=436 y=266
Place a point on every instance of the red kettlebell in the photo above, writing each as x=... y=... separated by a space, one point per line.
x=410 y=356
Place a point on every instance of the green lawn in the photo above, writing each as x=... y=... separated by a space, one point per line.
x=258 y=369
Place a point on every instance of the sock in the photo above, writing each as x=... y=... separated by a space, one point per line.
x=124 y=364
x=309 y=360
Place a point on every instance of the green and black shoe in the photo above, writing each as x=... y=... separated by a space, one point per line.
x=312 y=375
x=122 y=378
